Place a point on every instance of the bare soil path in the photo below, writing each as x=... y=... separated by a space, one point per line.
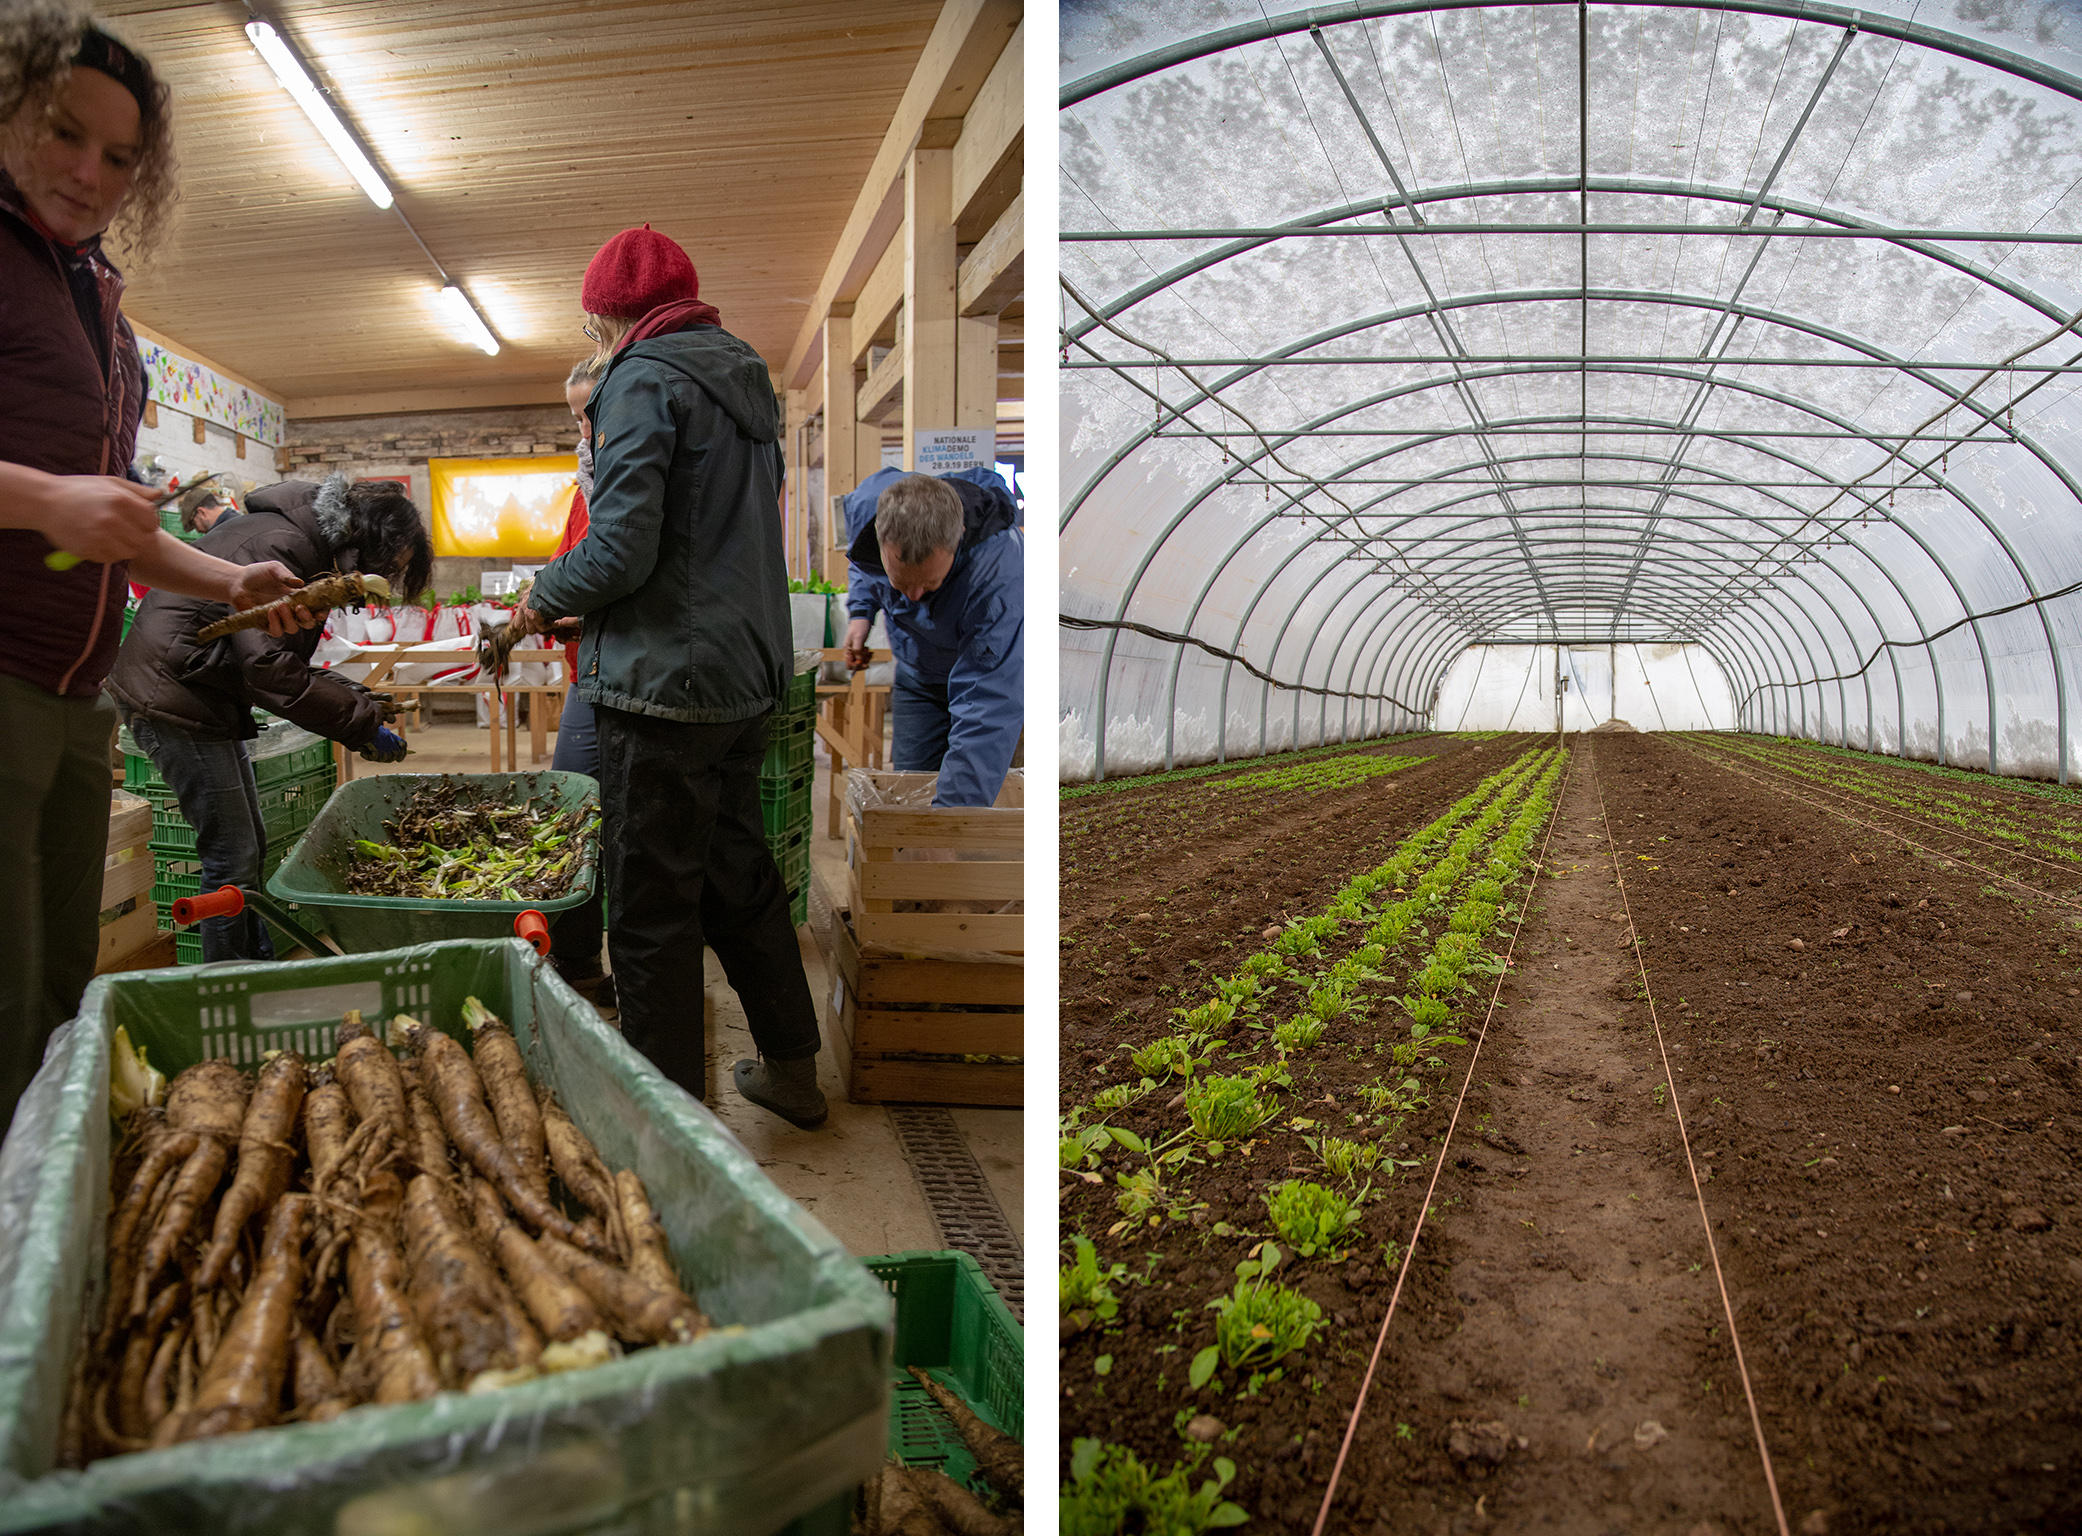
x=1589 y=1387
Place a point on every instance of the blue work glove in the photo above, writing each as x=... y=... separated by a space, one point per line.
x=388 y=747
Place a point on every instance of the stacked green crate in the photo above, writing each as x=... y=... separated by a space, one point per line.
x=784 y=789
x=295 y=774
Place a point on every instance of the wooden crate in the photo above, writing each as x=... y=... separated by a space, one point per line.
x=970 y=857
x=128 y=921
x=884 y=1008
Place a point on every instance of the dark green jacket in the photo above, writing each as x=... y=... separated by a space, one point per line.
x=681 y=577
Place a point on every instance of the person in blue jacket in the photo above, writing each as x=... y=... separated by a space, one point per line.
x=944 y=559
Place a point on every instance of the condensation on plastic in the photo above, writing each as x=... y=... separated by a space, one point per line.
x=772 y=1417
x=1701 y=99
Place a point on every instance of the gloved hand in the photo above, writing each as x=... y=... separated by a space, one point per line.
x=388 y=747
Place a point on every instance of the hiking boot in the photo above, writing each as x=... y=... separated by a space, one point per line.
x=785 y=1088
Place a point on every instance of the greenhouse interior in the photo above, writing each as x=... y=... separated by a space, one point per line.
x=1569 y=868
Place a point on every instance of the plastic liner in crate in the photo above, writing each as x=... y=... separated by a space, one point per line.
x=313 y=877
x=771 y=1419
x=952 y=1324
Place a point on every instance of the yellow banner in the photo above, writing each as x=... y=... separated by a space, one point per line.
x=511 y=509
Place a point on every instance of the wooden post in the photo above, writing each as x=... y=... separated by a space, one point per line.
x=795 y=502
x=930 y=271
x=841 y=432
x=976 y=372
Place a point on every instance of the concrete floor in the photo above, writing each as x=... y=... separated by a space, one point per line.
x=851 y=1173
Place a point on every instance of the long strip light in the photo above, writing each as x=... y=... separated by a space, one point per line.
x=290 y=71
x=465 y=315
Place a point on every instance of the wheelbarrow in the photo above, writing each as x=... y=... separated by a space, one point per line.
x=310 y=889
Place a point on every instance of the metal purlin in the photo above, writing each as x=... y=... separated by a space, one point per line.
x=1807 y=11
x=1959 y=400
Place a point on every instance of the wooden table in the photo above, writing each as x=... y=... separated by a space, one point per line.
x=851 y=729
x=547 y=698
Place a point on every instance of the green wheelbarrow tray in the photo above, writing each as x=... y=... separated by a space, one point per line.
x=311 y=882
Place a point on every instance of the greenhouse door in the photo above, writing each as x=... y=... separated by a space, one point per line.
x=1587 y=687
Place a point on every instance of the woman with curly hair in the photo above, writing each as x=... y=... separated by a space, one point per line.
x=86 y=146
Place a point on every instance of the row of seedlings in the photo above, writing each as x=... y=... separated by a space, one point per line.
x=1205 y=770
x=1424 y=919
x=2011 y=824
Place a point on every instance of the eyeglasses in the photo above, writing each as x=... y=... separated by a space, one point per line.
x=589 y=333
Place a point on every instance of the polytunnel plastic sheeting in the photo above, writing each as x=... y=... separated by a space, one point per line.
x=1334 y=413
x=1649 y=687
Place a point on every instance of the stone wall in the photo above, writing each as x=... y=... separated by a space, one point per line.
x=402 y=445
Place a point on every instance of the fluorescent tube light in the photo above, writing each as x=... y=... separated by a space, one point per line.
x=465 y=315
x=291 y=73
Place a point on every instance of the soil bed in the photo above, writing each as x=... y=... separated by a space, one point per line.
x=1908 y=1264
x=2033 y=837
x=1905 y=1266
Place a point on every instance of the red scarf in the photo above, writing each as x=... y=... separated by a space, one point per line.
x=680 y=315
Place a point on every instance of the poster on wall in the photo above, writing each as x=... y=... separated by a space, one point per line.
x=502 y=508
x=943 y=450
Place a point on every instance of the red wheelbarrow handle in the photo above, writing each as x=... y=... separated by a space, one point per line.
x=227 y=901
x=534 y=927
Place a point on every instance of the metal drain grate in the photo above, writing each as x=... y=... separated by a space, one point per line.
x=956 y=1192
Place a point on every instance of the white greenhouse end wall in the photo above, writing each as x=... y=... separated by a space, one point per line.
x=1650 y=687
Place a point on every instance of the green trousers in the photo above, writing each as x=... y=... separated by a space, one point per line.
x=54 y=808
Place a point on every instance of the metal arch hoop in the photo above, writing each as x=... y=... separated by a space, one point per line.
x=1804 y=10
x=1821 y=11
x=1703 y=368
x=1786 y=400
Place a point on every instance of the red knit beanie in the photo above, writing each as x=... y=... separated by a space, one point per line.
x=635 y=272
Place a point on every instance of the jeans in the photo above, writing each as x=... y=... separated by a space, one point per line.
x=54 y=804
x=213 y=780
x=919 y=723
x=686 y=863
x=574 y=936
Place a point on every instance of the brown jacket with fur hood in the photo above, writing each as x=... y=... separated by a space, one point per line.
x=211 y=690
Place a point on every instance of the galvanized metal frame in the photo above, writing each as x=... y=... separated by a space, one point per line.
x=1959 y=398
x=1504 y=589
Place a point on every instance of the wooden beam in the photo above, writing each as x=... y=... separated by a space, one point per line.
x=993 y=274
x=929 y=307
x=880 y=398
x=875 y=310
x=988 y=155
x=964 y=47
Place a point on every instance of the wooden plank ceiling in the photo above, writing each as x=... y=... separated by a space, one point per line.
x=517 y=137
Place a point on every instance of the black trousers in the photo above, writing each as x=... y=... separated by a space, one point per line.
x=686 y=861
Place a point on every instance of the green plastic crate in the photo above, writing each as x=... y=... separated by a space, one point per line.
x=763 y=1427
x=287 y=806
x=794 y=860
x=953 y=1325
x=802 y=696
x=294 y=760
x=313 y=876
x=784 y=804
x=791 y=745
